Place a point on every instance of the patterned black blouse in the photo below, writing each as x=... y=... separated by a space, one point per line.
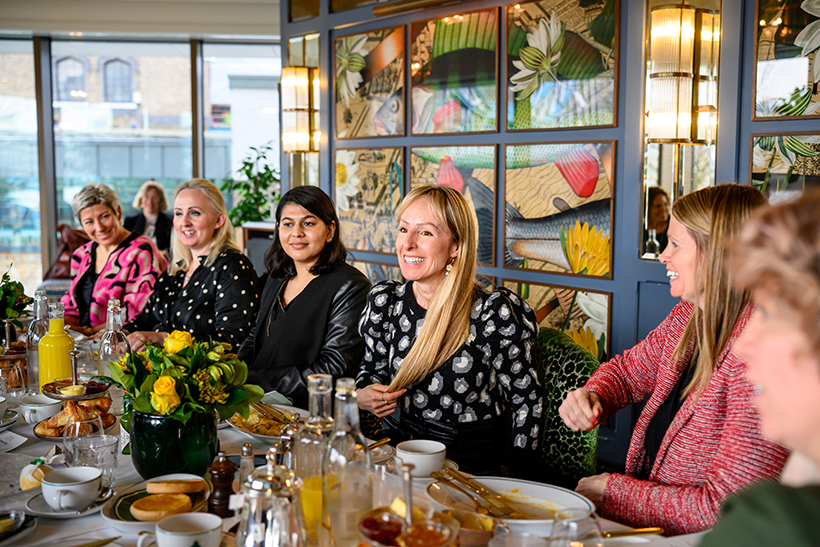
x=219 y=301
x=493 y=368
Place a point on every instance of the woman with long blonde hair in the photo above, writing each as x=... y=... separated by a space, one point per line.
x=697 y=439
x=449 y=355
x=210 y=291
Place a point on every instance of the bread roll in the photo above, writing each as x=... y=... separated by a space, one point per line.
x=159 y=506
x=181 y=486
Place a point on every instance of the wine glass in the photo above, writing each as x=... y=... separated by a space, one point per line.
x=15 y=383
x=576 y=529
x=84 y=424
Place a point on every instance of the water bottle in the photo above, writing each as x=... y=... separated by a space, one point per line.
x=113 y=346
x=36 y=330
x=652 y=245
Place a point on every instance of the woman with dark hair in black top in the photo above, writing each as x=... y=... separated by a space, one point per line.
x=311 y=304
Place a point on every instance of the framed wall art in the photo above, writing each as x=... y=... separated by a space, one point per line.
x=562 y=64
x=377 y=272
x=454 y=73
x=787 y=69
x=368 y=190
x=584 y=315
x=783 y=165
x=369 y=84
x=472 y=171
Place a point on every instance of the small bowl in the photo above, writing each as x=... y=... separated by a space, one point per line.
x=426 y=456
x=475 y=530
x=381 y=528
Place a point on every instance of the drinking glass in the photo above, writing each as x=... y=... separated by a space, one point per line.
x=576 y=529
x=15 y=383
x=387 y=482
x=80 y=425
x=518 y=540
x=99 y=452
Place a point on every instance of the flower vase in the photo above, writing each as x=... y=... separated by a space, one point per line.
x=161 y=445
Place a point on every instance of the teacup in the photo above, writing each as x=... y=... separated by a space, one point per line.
x=3 y=405
x=186 y=530
x=36 y=408
x=426 y=456
x=71 y=489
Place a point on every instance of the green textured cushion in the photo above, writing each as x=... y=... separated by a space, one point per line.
x=563 y=366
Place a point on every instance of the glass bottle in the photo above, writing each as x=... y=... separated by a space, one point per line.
x=309 y=447
x=347 y=492
x=652 y=245
x=36 y=330
x=54 y=346
x=113 y=346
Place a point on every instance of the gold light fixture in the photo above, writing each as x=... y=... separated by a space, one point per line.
x=683 y=60
x=300 y=109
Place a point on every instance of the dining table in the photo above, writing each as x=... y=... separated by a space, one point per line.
x=58 y=532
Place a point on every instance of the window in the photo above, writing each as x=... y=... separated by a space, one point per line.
x=117 y=81
x=70 y=76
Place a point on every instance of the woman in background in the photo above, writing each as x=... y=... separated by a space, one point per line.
x=114 y=264
x=311 y=304
x=211 y=290
x=657 y=217
x=152 y=221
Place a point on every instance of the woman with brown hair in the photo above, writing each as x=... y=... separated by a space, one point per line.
x=449 y=355
x=697 y=439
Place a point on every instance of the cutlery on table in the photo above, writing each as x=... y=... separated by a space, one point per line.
x=479 y=506
x=379 y=443
x=494 y=498
x=633 y=532
x=99 y=542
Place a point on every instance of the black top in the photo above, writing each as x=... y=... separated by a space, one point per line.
x=656 y=430
x=219 y=301
x=86 y=291
x=162 y=232
x=316 y=333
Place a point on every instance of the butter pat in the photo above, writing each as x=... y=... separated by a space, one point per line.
x=71 y=391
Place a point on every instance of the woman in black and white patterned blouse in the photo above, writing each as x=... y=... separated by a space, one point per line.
x=449 y=355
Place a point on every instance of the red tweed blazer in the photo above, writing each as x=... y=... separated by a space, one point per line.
x=712 y=448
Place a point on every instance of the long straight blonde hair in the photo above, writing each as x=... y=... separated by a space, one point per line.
x=447 y=321
x=222 y=238
x=713 y=216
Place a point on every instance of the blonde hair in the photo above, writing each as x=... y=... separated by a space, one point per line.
x=713 y=216
x=447 y=321
x=222 y=238
x=148 y=185
x=95 y=194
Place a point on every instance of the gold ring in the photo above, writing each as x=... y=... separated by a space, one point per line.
x=382 y=396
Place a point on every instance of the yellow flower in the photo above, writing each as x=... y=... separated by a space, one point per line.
x=587 y=250
x=177 y=341
x=164 y=397
x=584 y=338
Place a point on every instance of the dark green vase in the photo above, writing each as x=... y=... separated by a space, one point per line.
x=161 y=445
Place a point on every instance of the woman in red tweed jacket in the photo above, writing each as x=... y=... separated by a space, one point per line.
x=697 y=440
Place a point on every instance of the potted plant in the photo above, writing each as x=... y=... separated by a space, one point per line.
x=13 y=301
x=256 y=187
x=177 y=391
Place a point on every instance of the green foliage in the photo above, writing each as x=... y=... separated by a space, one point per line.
x=602 y=28
x=13 y=299
x=257 y=185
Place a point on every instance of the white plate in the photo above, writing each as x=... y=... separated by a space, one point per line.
x=114 y=511
x=270 y=438
x=9 y=419
x=530 y=497
x=38 y=506
x=27 y=528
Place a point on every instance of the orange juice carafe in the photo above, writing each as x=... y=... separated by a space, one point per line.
x=54 y=347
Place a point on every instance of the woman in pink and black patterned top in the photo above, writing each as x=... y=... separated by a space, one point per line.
x=698 y=438
x=114 y=264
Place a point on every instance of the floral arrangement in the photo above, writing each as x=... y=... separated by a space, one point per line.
x=186 y=377
x=13 y=299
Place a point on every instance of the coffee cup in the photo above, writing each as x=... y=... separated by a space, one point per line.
x=71 y=489
x=36 y=408
x=3 y=405
x=426 y=456
x=186 y=530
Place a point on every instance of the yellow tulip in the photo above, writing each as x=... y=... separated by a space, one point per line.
x=177 y=341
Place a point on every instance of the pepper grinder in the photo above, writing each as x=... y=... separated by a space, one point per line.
x=222 y=472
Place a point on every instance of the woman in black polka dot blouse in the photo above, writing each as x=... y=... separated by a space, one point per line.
x=455 y=360
x=211 y=290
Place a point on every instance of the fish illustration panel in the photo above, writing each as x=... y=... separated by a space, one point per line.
x=558 y=207
x=369 y=84
x=472 y=171
x=454 y=74
x=785 y=164
x=368 y=190
x=584 y=315
x=377 y=272
x=562 y=64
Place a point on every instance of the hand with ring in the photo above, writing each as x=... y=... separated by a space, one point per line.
x=376 y=399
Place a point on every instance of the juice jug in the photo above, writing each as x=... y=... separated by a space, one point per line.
x=54 y=347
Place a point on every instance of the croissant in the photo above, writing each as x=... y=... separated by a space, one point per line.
x=98 y=405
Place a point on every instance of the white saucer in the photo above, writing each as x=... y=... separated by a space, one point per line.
x=228 y=540
x=9 y=419
x=38 y=506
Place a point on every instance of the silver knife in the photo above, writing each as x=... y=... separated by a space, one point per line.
x=99 y=542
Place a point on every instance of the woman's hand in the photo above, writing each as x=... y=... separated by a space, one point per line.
x=138 y=340
x=377 y=400
x=580 y=410
x=593 y=487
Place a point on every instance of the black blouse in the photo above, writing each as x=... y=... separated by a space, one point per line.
x=219 y=301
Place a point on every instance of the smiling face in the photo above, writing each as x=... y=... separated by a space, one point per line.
x=424 y=245
x=101 y=224
x=785 y=372
x=195 y=221
x=682 y=263
x=659 y=210
x=150 y=202
x=303 y=235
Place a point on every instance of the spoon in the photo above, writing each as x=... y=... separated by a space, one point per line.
x=480 y=508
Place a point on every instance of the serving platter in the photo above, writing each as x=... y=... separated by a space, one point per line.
x=60 y=438
x=236 y=424
x=52 y=389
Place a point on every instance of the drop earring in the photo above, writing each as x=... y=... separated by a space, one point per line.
x=448 y=268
